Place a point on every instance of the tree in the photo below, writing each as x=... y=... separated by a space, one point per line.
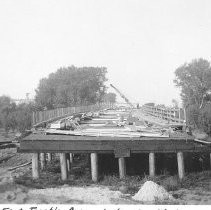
x=4 y=101
x=6 y=107
x=194 y=79
x=15 y=117
x=23 y=115
x=110 y=97
x=72 y=86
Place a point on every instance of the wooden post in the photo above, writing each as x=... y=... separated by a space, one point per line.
x=33 y=118
x=152 y=164
x=35 y=165
x=181 y=167
x=210 y=160
x=42 y=160
x=122 y=168
x=179 y=116
x=71 y=157
x=68 y=161
x=63 y=163
x=49 y=156
x=94 y=167
x=185 y=117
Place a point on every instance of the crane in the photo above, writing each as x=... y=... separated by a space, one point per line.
x=122 y=95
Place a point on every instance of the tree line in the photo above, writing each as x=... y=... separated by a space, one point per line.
x=68 y=86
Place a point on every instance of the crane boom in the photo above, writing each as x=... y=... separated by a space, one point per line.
x=123 y=96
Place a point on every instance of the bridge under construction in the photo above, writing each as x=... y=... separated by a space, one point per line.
x=109 y=129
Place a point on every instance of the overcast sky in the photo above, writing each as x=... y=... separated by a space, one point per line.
x=140 y=42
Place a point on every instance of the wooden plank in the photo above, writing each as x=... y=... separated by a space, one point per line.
x=34 y=137
x=19 y=166
x=202 y=148
x=203 y=142
x=122 y=152
x=109 y=146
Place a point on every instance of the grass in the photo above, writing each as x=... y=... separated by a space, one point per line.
x=51 y=177
x=130 y=184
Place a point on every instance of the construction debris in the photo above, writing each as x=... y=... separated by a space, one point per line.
x=199 y=134
x=114 y=123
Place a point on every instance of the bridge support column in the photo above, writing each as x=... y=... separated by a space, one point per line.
x=152 y=164
x=210 y=160
x=63 y=163
x=94 y=167
x=71 y=157
x=35 y=165
x=181 y=167
x=49 y=157
x=42 y=160
x=68 y=161
x=122 y=168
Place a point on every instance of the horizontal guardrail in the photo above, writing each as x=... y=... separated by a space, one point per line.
x=171 y=114
x=50 y=115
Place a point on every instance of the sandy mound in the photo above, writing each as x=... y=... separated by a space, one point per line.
x=151 y=192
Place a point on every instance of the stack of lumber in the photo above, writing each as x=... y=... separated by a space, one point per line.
x=113 y=133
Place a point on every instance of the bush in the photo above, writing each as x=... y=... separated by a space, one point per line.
x=53 y=166
x=15 y=117
x=200 y=118
x=171 y=183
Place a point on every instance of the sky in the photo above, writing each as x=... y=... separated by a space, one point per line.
x=141 y=42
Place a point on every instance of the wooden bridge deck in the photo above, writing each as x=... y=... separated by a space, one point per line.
x=86 y=144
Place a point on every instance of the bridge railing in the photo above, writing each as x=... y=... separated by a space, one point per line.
x=50 y=115
x=171 y=114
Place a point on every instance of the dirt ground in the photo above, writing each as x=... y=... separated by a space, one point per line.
x=101 y=193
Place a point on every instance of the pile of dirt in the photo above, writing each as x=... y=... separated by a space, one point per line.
x=151 y=192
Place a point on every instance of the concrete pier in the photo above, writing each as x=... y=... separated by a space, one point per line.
x=94 y=167
x=181 y=167
x=63 y=163
x=152 y=164
x=35 y=165
x=122 y=168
